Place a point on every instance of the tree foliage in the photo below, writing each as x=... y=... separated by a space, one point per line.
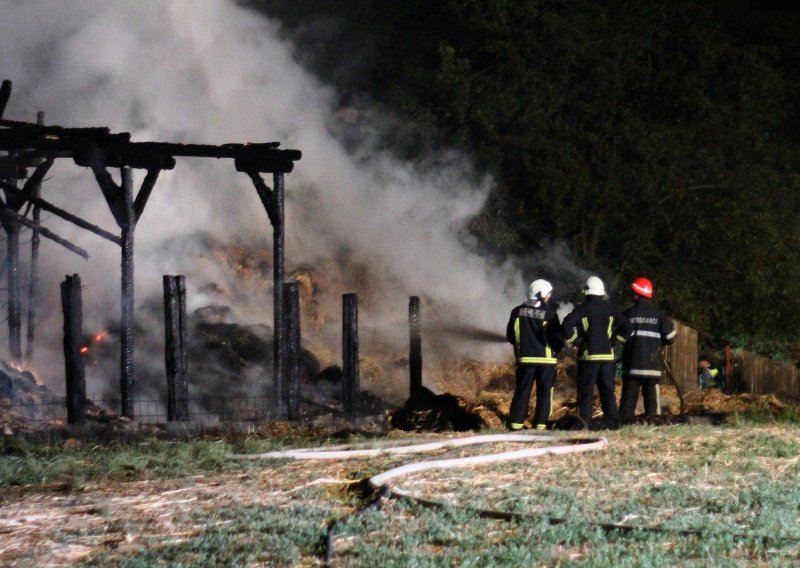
x=654 y=138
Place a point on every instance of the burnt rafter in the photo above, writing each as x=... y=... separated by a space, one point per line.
x=5 y=94
x=267 y=198
x=115 y=197
x=16 y=199
x=47 y=206
x=87 y=146
x=7 y=215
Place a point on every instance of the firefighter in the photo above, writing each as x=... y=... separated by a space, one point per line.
x=641 y=355
x=534 y=330
x=592 y=327
x=708 y=376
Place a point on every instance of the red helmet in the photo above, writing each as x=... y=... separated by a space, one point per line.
x=643 y=287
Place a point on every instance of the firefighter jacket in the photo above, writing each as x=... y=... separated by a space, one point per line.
x=641 y=355
x=535 y=333
x=592 y=327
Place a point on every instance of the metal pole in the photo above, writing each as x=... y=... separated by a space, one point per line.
x=351 y=377
x=72 y=306
x=279 y=348
x=415 y=353
x=175 y=354
x=126 y=336
x=291 y=297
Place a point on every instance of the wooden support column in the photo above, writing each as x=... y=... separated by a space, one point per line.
x=273 y=201
x=11 y=222
x=279 y=346
x=14 y=308
x=126 y=211
x=127 y=368
x=351 y=372
x=33 y=291
x=291 y=298
x=176 y=345
x=415 y=351
x=75 y=370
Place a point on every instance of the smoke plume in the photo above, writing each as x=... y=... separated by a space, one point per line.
x=212 y=72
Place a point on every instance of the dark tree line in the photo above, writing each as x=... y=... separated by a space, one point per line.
x=654 y=138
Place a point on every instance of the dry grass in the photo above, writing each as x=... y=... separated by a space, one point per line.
x=728 y=480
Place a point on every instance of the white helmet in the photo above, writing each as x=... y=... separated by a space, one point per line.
x=539 y=289
x=594 y=287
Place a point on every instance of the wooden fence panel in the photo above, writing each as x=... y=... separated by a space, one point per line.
x=682 y=356
x=757 y=374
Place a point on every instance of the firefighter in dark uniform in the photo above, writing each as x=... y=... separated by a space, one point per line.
x=534 y=330
x=593 y=327
x=641 y=356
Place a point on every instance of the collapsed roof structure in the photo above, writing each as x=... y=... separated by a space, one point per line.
x=36 y=146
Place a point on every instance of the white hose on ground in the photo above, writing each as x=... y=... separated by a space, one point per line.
x=380 y=480
x=377 y=481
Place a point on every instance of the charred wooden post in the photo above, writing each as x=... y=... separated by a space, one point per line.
x=5 y=95
x=176 y=346
x=126 y=211
x=126 y=332
x=12 y=228
x=415 y=352
x=279 y=346
x=72 y=305
x=33 y=291
x=291 y=298
x=351 y=372
x=12 y=222
x=273 y=201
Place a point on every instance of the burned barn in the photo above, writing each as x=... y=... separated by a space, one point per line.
x=30 y=150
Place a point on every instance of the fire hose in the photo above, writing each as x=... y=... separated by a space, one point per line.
x=382 y=491
x=379 y=486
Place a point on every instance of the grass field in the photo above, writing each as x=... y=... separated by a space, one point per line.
x=158 y=503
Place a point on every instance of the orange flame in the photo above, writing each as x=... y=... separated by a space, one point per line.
x=84 y=350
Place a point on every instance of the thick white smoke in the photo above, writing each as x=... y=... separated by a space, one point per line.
x=212 y=72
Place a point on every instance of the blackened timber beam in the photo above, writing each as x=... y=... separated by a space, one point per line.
x=11 y=228
x=351 y=375
x=33 y=289
x=15 y=197
x=279 y=347
x=75 y=367
x=294 y=357
x=11 y=216
x=47 y=206
x=128 y=226
x=176 y=345
x=5 y=94
x=115 y=150
x=273 y=201
x=415 y=347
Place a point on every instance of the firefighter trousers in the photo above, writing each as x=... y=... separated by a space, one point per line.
x=630 y=396
x=545 y=377
x=602 y=375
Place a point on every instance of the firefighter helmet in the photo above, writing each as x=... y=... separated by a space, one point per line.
x=594 y=287
x=539 y=289
x=643 y=287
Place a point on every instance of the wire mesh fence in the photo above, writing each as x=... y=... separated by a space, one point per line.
x=204 y=410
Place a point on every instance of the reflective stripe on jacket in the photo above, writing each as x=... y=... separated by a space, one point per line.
x=535 y=333
x=592 y=327
x=641 y=356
